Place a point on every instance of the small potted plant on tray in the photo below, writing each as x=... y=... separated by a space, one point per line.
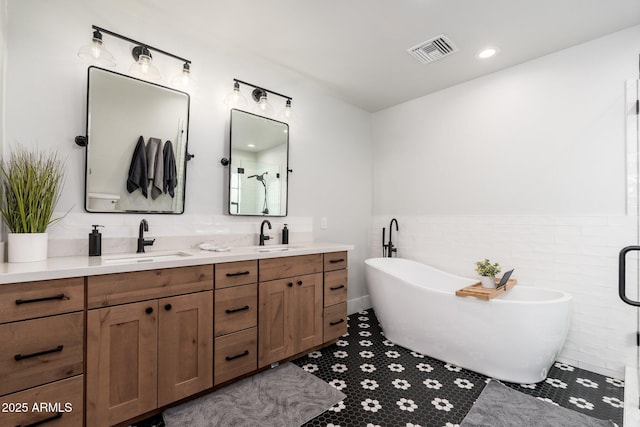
x=31 y=185
x=487 y=272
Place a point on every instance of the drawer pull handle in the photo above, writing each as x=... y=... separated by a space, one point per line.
x=46 y=420
x=335 y=288
x=299 y=282
x=241 y=273
x=337 y=322
x=40 y=353
x=244 y=353
x=235 y=310
x=27 y=301
x=168 y=307
x=335 y=261
x=149 y=310
x=290 y=284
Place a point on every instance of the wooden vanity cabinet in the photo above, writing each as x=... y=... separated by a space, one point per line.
x=335 y=295
x=289 y=307
x=42 y=353
x=235 y=320
x=145 y=354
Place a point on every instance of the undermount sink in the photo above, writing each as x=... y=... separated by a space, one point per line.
x=144 y=257
x=275 y=248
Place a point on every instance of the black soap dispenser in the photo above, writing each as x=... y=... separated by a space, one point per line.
x=285 y=235
x=95 y=241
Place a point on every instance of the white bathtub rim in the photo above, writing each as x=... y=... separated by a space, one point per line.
x=562 y=298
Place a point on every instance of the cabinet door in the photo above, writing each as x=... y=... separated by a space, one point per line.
x=307 y=306
x=121 y=362
x=275 y=321
x=185 y=346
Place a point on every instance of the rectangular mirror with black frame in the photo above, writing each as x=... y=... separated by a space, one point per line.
x=258 y=176
x=136 y=145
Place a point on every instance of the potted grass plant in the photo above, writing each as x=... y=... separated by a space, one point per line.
x=487 y=272
x=31 y=186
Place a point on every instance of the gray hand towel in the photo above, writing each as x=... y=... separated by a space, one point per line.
x=170 y=171
x=155 y=166
x=137 y=177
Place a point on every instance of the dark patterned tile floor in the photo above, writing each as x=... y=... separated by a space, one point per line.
x=388 y=385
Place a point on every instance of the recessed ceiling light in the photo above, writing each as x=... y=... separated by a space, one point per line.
x=487 y=52
x=251 y=145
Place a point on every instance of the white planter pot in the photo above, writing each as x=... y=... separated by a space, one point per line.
x=27 y=247
x=488 y=282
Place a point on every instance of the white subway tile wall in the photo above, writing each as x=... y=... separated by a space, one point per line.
x=576 y=254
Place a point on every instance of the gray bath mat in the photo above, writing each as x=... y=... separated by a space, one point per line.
x=501 y=406
x=283 y=396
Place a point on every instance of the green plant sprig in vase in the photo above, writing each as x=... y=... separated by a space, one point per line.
x=488 y=272
x=31 y=185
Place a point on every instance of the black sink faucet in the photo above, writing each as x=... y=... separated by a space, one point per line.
x=262 y=236
x=144 y=226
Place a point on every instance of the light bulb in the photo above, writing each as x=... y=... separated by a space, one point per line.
x=144 y=64
x=96 y=48
x=264 y=107
x=263 y=103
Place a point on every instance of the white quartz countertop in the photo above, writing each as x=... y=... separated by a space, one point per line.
x=74 y=266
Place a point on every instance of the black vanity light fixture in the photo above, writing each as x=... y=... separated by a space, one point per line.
x=142 y=67
x=259 y=94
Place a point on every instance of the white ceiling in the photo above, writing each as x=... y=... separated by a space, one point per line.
x=357 y=48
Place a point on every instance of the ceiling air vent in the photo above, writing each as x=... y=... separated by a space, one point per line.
x=434 y=49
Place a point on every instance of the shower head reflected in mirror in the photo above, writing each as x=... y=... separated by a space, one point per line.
x=261 y=179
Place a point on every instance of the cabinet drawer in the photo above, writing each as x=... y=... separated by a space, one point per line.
x=63 y=400
x=235 y=355
x=39 y=351
x=279 y=268
x=120 y=288
x=235 y=309
x=335 y=261
x=21 y=301
x=335 y=321
x=335 y=287
x=236 y=273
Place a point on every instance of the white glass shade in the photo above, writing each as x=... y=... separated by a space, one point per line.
x=96 y=53
x=183 y=80
x=264 y=108
x=144 y=69
x=235 y=99
x=286 y=114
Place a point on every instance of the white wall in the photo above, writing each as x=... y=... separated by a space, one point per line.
x=543 y=137
x=330 y=142
x=3 y=63
x=527 y=167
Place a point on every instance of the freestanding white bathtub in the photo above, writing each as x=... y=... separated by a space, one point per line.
x=515 y=337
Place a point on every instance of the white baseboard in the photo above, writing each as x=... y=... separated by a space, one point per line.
x=358 y=304
x=631 y=396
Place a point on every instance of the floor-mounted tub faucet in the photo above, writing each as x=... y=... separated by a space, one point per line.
x=262 y=235
x=144 y=226
x=387 y=248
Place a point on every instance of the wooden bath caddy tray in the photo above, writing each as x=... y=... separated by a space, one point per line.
x=476 y=290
